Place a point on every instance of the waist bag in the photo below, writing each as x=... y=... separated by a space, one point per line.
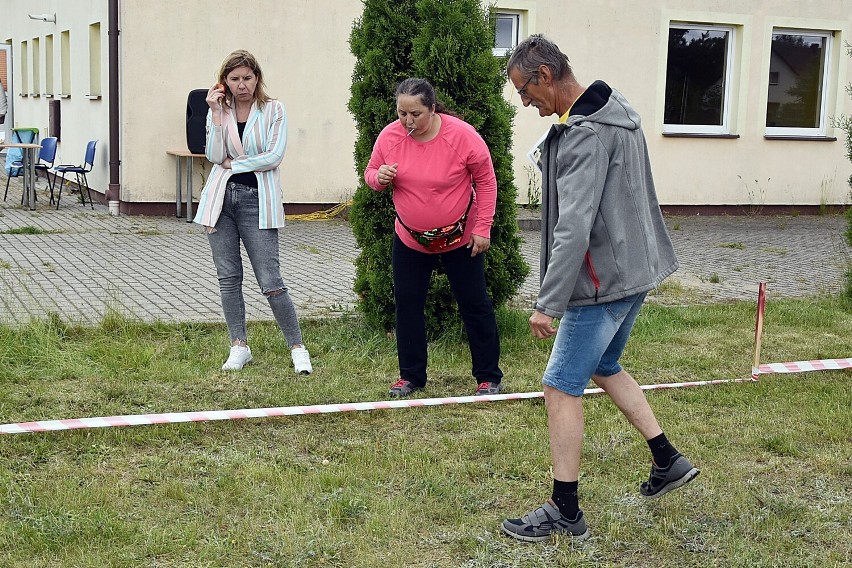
x=435 y=240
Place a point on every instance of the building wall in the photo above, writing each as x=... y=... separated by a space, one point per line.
x=625 y=43
x=170 y=48
x=303 y=50
x=83 y=118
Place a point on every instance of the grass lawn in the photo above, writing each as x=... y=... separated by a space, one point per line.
x=423 y=487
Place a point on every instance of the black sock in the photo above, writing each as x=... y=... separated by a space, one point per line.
x=662 y=450
x=565 y=498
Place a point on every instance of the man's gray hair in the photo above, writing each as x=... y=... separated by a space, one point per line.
x=536 y=51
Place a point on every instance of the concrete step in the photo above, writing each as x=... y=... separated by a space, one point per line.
x=528 y=219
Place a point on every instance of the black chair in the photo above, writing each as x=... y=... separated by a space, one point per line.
x=80 y=172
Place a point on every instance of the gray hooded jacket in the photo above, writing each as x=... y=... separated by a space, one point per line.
x=603 y=234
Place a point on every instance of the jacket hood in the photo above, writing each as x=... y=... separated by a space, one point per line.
x=602 y=104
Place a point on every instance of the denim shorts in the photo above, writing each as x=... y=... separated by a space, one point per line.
x=589 y=341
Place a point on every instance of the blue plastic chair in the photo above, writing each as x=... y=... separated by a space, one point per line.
x=80 y=172
x=46 y=157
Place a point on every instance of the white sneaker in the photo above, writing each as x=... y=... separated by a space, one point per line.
x=240 y=355
x=301 y=360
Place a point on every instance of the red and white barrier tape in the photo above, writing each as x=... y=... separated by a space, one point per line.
x=805 y=366
x=211 y=415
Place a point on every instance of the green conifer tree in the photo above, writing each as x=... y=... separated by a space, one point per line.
x=381 y=43
x=449 y=43
x=845 y=124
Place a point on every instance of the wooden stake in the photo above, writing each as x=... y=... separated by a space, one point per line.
x=758 y=329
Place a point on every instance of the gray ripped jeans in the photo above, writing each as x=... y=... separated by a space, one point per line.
x=239 y=221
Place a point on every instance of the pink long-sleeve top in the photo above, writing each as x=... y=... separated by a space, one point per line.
x=434 y=179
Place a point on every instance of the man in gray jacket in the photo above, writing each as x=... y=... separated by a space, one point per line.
x=604 y=245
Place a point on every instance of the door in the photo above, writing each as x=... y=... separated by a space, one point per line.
x=6 y=85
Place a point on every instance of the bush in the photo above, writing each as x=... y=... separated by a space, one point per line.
x=450 y=46
x=845 y=123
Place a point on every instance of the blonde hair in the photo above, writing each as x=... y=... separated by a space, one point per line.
x=242 y=58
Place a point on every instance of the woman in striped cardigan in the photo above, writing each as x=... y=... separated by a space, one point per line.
x=242 y=201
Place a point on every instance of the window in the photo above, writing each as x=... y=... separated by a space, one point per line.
x=94 y=61
x=698 y=79
x=508 y=25
x=795 y=105
x=36 y=89
x=65 y=63
x=25 y=69
x=4 y=70
x=48 y=65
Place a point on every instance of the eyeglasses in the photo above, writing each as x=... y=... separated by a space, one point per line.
x=523 y=90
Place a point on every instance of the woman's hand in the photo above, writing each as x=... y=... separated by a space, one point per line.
x=226 y=163
x=215 y=97
x=386 y=173
x=478 y=244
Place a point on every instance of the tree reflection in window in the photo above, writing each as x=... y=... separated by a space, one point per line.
x=695 y=76
x=798 y=64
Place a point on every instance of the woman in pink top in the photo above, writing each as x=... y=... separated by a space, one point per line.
x=444 y=193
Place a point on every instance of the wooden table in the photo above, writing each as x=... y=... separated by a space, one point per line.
x=183 y=156
x=29 y=161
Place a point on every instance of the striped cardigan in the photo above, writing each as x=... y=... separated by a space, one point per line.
x=260 y=151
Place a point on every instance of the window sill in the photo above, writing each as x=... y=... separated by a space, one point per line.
x=808 y=138
x=698 y=135
x=47 y=95
x=93 y=97
x=63 y=96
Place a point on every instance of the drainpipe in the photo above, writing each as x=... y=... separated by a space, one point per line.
x=114 y=192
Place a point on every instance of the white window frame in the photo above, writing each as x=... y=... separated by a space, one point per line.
x=515 y=16
x=820 y=130
x=727 y=103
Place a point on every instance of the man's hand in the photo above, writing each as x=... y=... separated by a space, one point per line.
x=541 y=325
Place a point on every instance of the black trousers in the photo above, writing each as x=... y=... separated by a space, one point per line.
x=412 y=271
